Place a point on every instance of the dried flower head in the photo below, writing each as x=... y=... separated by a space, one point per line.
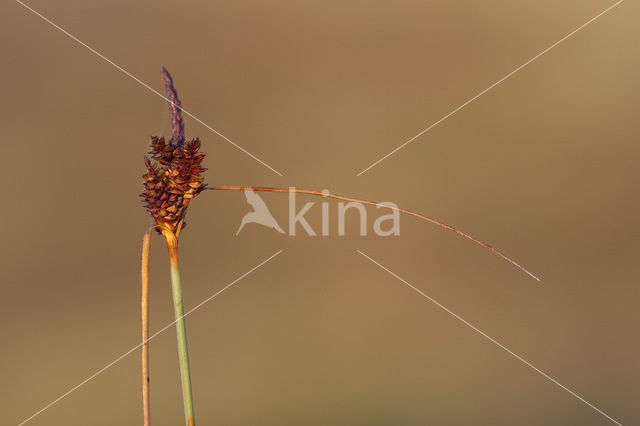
x=174 y=170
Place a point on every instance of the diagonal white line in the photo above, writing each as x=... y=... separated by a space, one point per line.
x=145 y=85
x=163 y=329
x=492 y=340
x=491 y=87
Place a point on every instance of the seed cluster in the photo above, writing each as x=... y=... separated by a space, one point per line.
x=173 y=178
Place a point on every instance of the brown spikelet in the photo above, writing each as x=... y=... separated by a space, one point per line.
x=175 y=110
x=174 y=170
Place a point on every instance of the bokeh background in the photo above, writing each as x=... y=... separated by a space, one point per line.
x=544 y=167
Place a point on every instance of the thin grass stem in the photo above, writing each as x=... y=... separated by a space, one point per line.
x=381 y=205
x=183 y=352
x=144 y=308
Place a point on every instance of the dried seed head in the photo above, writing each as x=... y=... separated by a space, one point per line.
x=174 y=170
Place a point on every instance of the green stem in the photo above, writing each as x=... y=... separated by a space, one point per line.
x=183 y=353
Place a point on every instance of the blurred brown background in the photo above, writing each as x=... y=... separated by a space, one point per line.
x=544 y=166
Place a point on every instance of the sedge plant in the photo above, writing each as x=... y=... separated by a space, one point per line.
x=173 y=178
